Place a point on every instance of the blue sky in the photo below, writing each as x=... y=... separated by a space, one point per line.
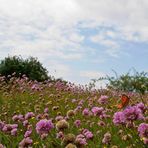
x=77 y=40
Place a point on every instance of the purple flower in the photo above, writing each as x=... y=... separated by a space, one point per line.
x=80 y=140
x=60 y=135
x=25 y=123
x=77 y=123
x=29 y=115
x=58 y=118
x=103 y=99
x=101 y=123
x=18 y=117
x=119 y=118
x=133 y=113
x=141 y=106
x=44 y=126
x=143 y=130
x=1 y=125
x=27 y=133
x=14 y=132
x=26 y=142
x=1 y=146
x=46 y=110
x=85 y=112
x=88 y=134
x=7 y=128
x=97 y=110
x=107 y=138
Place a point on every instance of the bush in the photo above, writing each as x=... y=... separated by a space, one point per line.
x=31 y=67
x=138 y=82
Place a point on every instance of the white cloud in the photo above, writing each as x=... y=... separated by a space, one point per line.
x=52 y=28
x=112 y=47
x=58 y=69
x=92 y=74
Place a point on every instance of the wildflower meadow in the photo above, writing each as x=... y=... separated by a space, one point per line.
x=62 y=115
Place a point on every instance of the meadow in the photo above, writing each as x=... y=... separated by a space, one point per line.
x=59 y=115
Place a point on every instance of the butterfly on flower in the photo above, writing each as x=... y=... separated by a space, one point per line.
x=124 y=101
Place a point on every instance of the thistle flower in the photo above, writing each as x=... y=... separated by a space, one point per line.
x=44 y=126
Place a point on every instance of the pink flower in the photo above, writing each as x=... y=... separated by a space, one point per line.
x=46 y=110
x=29 y=115
x=119 y=118
x=27 y=133
x=26 y=142
x=143 y=130
x=97 y=111
x=14 y=132
x=77 y=123
x=85 y=112
x=103 y=99
x=88 y=134
x=44 y=126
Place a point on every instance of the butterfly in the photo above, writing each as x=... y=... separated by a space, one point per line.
x=124 y=101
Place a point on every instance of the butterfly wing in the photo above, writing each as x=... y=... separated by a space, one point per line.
x=119 y=106
x=125 y=100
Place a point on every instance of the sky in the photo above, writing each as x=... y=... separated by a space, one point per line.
x=77 y=40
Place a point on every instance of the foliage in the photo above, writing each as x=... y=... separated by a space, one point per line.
x=31 y=67
x=57 y=115
x=136 y=82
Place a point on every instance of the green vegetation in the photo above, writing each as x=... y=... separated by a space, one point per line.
x=129 y=82
x=31 y=67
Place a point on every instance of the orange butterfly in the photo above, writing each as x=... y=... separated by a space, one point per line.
x=124 y=101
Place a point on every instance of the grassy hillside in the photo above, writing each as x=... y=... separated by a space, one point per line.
x=58 y=115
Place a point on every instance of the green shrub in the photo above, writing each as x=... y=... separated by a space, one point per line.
x=31 y=67
x=135 y=82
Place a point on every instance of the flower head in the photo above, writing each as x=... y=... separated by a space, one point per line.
x=119 y=118
x=44 y=126
x=143 y=130
x=103 y=99
x=133 y=113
